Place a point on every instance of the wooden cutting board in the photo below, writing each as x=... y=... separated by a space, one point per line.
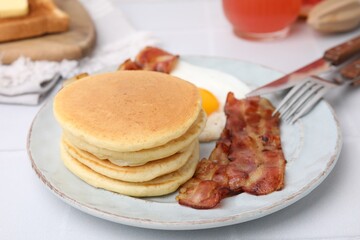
x=73 y=44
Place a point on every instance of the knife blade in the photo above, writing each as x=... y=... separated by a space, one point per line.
x=332 y=57
x=291 y=79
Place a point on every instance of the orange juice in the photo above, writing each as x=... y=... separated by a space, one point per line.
x=261 y=16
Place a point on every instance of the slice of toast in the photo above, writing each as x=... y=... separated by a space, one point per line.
x=44 y=17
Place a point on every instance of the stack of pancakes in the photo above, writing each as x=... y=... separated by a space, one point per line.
x=131 y=132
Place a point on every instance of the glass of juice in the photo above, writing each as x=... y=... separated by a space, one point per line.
x=261 y=19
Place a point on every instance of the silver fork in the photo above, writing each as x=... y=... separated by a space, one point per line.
x=307 y=93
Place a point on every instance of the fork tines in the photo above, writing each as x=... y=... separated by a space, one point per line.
x=302 y=98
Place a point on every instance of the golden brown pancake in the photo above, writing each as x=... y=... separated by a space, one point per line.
x=143 y=156
x=159 y=186
x=127 y=111
x=141 y=173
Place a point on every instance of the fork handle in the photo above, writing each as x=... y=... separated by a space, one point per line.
x=342 y=52
x=352 y=72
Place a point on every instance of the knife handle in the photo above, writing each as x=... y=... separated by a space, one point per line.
x=342 y=52
x=352 y=72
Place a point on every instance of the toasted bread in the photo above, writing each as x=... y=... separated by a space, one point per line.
x=44 y=17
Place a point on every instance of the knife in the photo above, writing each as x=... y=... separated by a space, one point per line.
x=332 y=58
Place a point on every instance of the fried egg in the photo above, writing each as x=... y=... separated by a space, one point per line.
x=213 y=86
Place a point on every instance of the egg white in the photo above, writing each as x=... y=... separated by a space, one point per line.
x=219 y=84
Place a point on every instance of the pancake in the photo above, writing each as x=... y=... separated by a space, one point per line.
x=159 y=186
x=131 y=174
x=127 y=111
x=143 y=156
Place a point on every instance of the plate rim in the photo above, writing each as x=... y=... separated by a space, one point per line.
x=190 y=224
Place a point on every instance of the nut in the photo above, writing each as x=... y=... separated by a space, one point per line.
x=335 y=16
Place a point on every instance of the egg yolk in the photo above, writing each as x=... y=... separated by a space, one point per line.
x=209 y=102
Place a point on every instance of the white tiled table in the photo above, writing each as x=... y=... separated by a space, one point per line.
x=192 y=27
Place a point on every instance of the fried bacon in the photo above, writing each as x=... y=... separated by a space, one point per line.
x=129 y=65
x=152 y=59
x=247 y=158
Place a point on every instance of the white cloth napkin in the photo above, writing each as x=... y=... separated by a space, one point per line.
x=27 y=82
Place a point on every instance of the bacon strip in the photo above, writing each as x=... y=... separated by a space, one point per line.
x=129 y=65
x=247 y=158
x=151 y=59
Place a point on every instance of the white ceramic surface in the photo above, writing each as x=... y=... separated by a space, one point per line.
x=311 y=148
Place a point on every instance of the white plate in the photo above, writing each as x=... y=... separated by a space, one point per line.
x=311 y=147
